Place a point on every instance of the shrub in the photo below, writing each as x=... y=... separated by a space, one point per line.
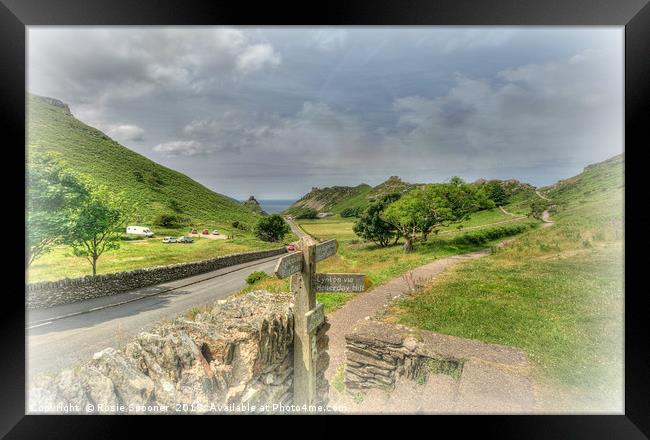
x=271 y=228
x=481 y=237
x=255 y=277
x=139 y=177
x=306 y=213
x=352 y=212
x=239 y=225
x=170 y=221
x=175 y=205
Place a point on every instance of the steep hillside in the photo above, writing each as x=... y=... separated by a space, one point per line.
x=595 y=194
x=337 y=198
x=392 y=185
x=154 y=188
x=328 y=199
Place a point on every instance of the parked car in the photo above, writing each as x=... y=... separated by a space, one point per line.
x=169 y=240
x=205 y=232
x=185 y=240
x=139 y=230
x=193 y=231
x=215 y=232
x=291 y=248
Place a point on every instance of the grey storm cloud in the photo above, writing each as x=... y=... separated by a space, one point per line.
x=274 y=111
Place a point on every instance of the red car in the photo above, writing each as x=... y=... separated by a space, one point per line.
x=291 y=248
x=193 y=231
x=205 y=232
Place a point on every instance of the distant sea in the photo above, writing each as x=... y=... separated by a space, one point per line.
x=272 y=206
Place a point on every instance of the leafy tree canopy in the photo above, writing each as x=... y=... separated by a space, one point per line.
x=272 y=228
x=97 y=226
x=53 y=193
x=371 y=226
x=422 y=210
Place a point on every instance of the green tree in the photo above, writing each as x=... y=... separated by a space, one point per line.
x=420 y=211
x=537 y=208
x=496 y=192
x=53 y=193
x=352 y=212
x=371 y=226
x=170 y=220
x=417 y=212
x=272 y=228
x=97 y=227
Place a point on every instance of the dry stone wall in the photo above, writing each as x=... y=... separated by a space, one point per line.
x=379 y=353
x=48 y=294
x=235 y=357
x=400 y=370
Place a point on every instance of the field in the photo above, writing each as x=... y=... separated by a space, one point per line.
x=379 y=264
x=141 y=253
x=557 y=292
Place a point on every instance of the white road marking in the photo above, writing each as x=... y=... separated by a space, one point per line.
x=39 y=325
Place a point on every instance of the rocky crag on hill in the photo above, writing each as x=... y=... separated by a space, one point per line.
x=326 y=199
x=337 y=198
x=254 y=206
x=237 y=353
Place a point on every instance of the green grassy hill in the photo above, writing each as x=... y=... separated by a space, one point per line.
x=595 y=195
x=556 y=291
x=154 y=188
x=392 y=185
x=330 y=199
x=337 y=198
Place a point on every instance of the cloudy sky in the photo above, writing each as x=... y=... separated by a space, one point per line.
x=273 y=111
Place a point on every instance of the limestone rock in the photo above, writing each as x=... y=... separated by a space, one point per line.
x=240 y=351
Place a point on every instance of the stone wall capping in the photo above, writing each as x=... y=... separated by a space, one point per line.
x=68 y=290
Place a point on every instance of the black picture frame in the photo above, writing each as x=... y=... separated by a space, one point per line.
x=15 y=15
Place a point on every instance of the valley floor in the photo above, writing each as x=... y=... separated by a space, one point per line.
x=381 y=264
x=555 y=292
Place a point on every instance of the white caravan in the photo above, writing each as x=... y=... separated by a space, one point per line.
x=139 y=230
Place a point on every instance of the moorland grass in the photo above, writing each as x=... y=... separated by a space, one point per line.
x=556 y=292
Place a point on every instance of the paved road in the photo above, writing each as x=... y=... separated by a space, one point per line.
x=296 y=229
x=53 y=344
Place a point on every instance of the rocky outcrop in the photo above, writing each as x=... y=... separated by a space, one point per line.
x=254 y=206
x=55 y=103
x=238 y=355
x=51 y=293
x=324 y=199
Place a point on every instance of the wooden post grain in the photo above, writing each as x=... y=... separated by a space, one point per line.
x=304 y=386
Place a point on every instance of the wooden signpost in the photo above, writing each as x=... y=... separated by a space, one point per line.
x=308 y=315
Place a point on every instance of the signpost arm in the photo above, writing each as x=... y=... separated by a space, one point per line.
x=304 y=342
